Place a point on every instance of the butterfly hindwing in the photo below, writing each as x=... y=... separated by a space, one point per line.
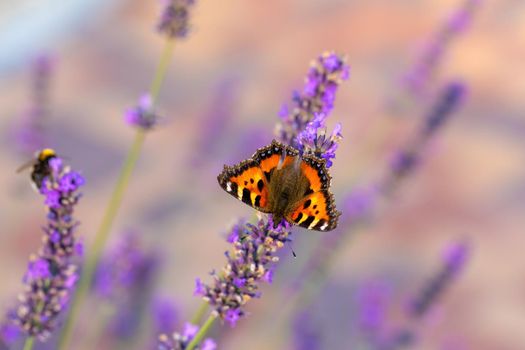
x=315 y=212
x=246 y=182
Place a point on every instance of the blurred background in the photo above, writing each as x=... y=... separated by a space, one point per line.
x=87 y=61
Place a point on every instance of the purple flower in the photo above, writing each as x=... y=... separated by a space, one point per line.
x=199 y=287
x=9 y=332
x=306 y=336
x=52 y=198
x=127 y=268
x=232 y=316
x=175 y=17
x=316 y=100
x=179 y=341
x=165 y=315
x=143 y=115
x=250 y=261
x=268 y=276
x=454 y=261
x=209 y=344
x=38 y=269
x=409 y=158
x=313 y=139
x=71 y=182
x=417 y=80
x=373 y=298
x=449 y=100
x=190 y=330
x=51 y=274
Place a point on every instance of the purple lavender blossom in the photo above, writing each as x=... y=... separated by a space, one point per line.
x=175 y=17
x=454 y=261
x=418 y=78
x=317 y=97
x=249 y=261
x=9 y=331
x=51 y=273
x=165 y=315
x=127 y=266
x=125 y=278
x=406 y=160
x=449 y=100
x=313 y=139
x=179 y=341
x=373 y=298
x=143 y=115
x=306 y=336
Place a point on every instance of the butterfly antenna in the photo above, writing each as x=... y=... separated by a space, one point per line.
x=291 y=248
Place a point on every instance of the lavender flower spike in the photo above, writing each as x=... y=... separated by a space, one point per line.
x=408 y=159
x=174 y=20
x=142 y=116
x=417 y=80
x=179 y=341
x=313 y=139
x=51 y=273
x=454 y=261
x=249 y=263
x=317 y=97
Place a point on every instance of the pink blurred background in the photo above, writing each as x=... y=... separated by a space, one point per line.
x=243 y=59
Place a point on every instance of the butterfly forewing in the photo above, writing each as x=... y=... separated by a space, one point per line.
x=246 y=181
x=315 y=171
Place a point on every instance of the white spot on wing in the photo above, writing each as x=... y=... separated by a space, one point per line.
x=313 y=224
x=325 y=225
x=228 y=186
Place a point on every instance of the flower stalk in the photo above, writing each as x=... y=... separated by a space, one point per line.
x=114 y=204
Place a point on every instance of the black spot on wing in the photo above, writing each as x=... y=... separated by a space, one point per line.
x=308 y=191
x=299 y=217
x=306 y=223
x=307 y=203
x=246 y=196
x=260 y=185
x=268 y=175
x=234 y=188
x=257 y=200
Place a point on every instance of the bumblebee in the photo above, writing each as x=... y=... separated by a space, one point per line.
x=41 y=167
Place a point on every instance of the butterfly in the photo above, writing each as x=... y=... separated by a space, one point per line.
x=41 y=167
x=278 y=180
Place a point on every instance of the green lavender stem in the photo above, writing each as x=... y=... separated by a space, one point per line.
x=28 y=345
x=197 y=317
x=115 y=201
x=202 y=331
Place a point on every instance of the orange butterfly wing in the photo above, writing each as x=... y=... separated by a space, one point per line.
x=248 y=180
x=315 y=212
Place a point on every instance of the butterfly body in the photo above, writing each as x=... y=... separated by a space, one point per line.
x=280 y=181
x=287 y=187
